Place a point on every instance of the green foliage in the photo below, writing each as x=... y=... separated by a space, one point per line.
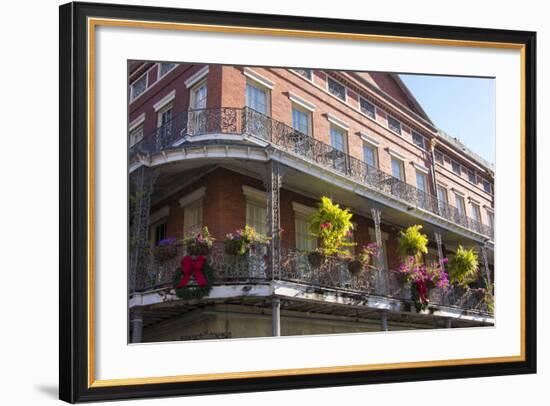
x=412 y=242
x=463 y=266
x=331 y=225
x=239 y=242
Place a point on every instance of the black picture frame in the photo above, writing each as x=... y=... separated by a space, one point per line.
x=74 y=200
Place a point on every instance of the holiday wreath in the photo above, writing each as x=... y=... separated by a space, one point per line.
x=194 y=279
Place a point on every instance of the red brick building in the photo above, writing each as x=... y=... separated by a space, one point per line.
x=225 y=146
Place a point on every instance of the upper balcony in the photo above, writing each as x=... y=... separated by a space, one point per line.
x=194 y=125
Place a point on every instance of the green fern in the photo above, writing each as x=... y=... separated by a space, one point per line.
x=412 y=242
x=331 y=225
x=463 y=266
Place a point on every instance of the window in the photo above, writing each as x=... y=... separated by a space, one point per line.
x=164 y=68
x=456 y=167
x=199 y=94
x=304 y=240
x=256 y=215
x=370 y=155
x=418 y=140
x=397 y=169
x=472 y=177
x=338 y=138
x=442 y=194
x=160 y=233
x=476 y=212
x=307 y=73
x=192 y=218
x=367 y=108
x=301 y=120
x=164 y=115
x=138 y=87
x=439 y=157
x=394 y=125
x=421 y=181
x=336 y=89
x=257 y=98
x=487 y=186
x=136 y=135
x=459 y=200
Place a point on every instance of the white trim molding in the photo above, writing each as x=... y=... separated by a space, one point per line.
x=196 y=77
x=256 y=77
x=165 y=100
x=137 y=122
x=159 y=214
x=337 y=122
x=301 y=102
x=254 y=194
x=458 y=192
x=396 y=154
x=302 y=209
x=192 y=197
x=472 y=200
x=368 y=139
x=420 y=168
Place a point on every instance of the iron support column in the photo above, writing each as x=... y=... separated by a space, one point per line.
x=449 y=323
x=276 y=317
x=439 y=242
x=486 y=273
x=382 y=276
x=136 y=321
x=384 y=320
x=273 y=180
x=143 y=179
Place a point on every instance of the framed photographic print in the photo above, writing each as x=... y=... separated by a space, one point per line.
x=257 y=202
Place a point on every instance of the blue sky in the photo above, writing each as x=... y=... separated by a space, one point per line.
x=462 y=107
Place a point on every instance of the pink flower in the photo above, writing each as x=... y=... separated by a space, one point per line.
x=325 y=225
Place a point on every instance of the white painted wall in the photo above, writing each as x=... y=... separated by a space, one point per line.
x=28 y=208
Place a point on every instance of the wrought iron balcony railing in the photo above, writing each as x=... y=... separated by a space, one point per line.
x=333 y=274
x=228 y=120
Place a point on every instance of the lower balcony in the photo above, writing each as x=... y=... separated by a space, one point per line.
x=238 y=277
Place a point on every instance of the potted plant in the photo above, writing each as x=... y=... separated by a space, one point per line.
x=165 y=249
x=412 y=242
x=463 y=267
x=239 y=242
x=199 y=244
x=331 y=225
x=363 y=259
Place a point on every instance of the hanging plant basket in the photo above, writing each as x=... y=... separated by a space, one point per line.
x=198 y=249
x=236 y=248
x=316 y=259
x=355 y=267
x=164 y=253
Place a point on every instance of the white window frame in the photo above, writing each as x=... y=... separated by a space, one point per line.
x=445 y=190
x=193 y=94
x=267 y=90
x=309 y=115
x=159 y=64
x=255 y=197
x=413 y=133
x=453 y=162
x=372 y=104
x=191 y=201
x=370 y=145
x=476 y=208
x=345 y=100
x=463 y=205
x=132 y=97
x=197 y=77
x=344 y=132
x=402 y=165
x=161 y=111
x=302 y=213
x=424 y=175
x=295 y=70
x=388 y=116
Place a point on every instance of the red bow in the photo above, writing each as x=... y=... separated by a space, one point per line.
x=192 y=266
x=422 y=291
